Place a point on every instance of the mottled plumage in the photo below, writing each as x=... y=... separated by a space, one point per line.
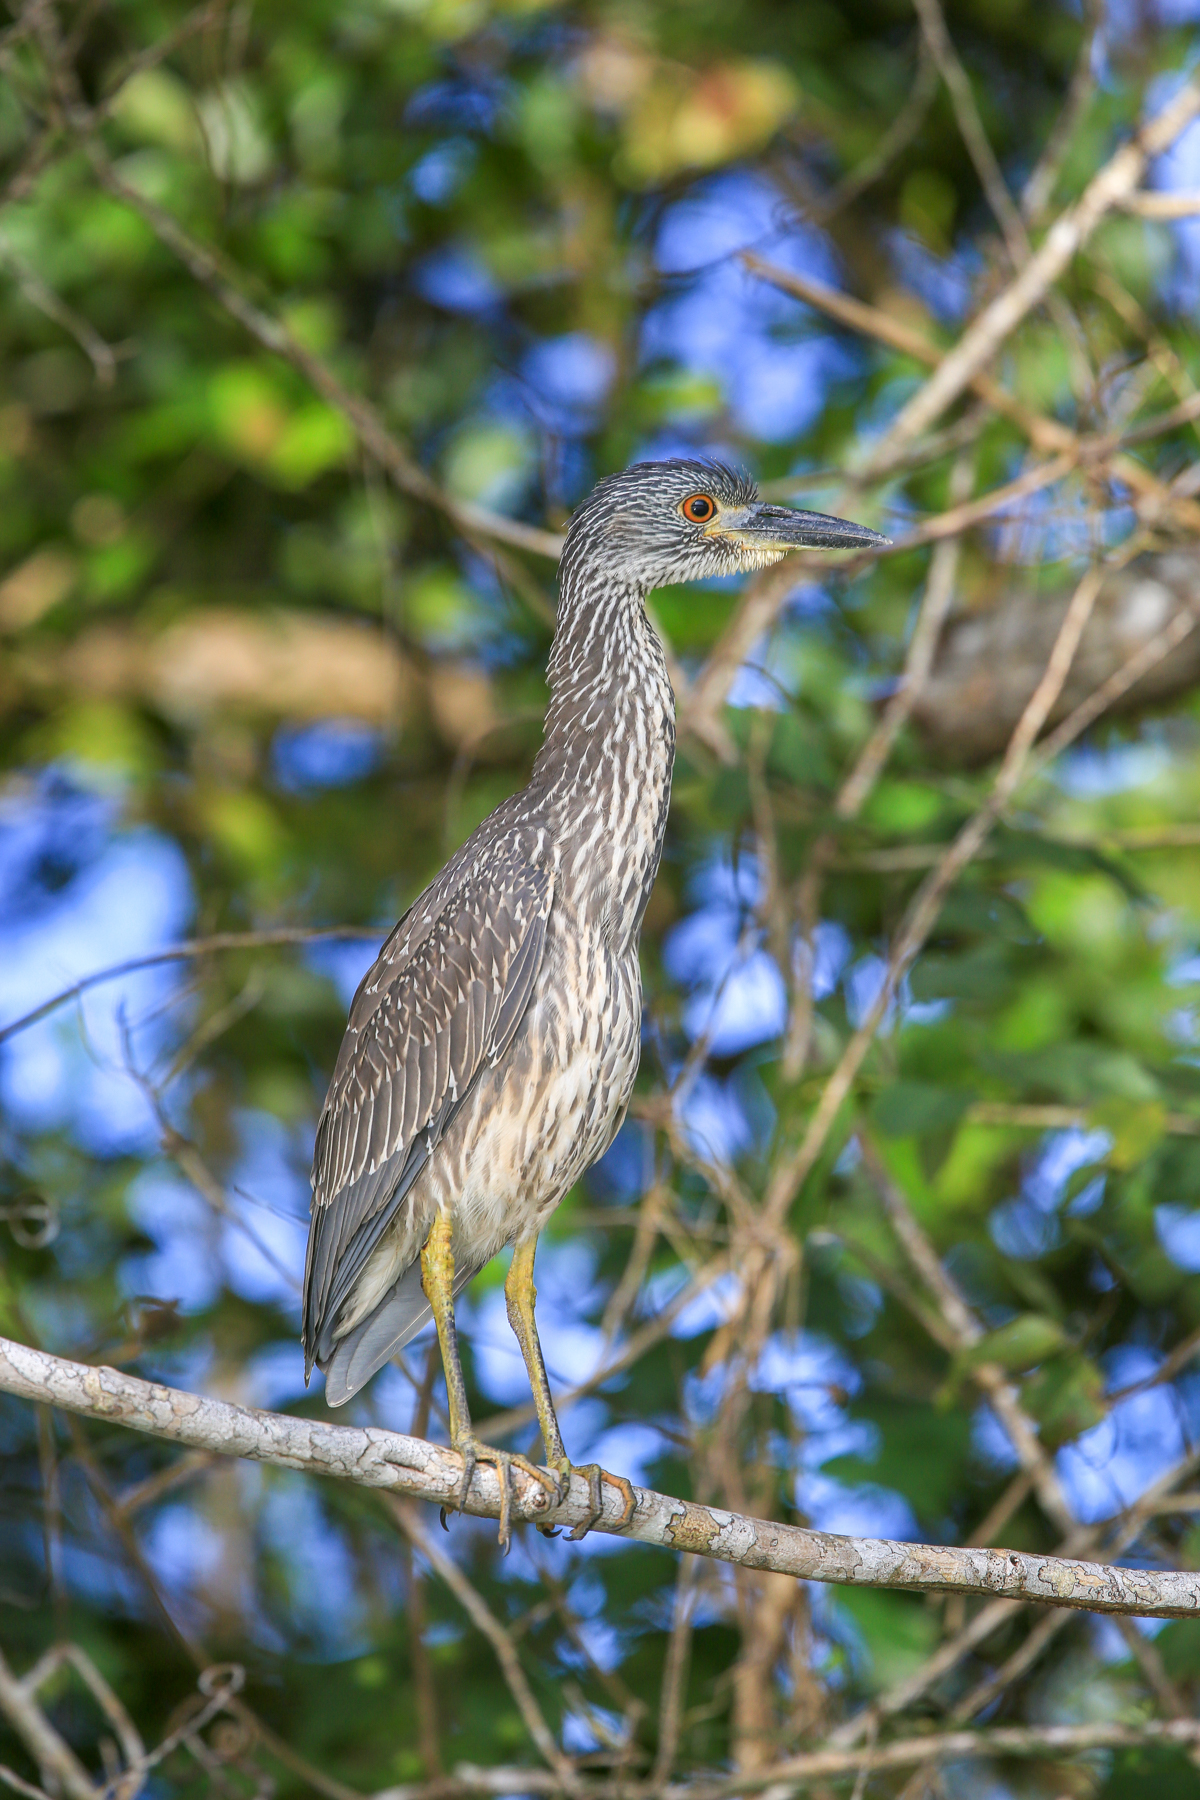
x=492 y=1047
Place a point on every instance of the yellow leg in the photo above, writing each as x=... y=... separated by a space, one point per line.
x=521 y=1298
x=437 y=1278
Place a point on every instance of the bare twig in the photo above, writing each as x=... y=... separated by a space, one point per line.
x=1161 y=206
x=791 y=1173
x=895 y=140
x=1061 y=1118
x=20 y=1786
x=1038 y=191
x=939 y=593
x=1096 y=453
x=1070 y=232
x=1044 y=1631
x=102 y=356
x=967 y=1333
x=213 y=945
x=1053 y=1741
x=675 y=1670
x=486 y=1622
x=1116 y=1536
x=213 y=273
x=1149 y=1659
x=970 y=125
x=60 y=1767
x=1110 y=691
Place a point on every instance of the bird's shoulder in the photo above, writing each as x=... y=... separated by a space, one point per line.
x=468 y=922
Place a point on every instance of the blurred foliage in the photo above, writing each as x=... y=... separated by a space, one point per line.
x=245 y=682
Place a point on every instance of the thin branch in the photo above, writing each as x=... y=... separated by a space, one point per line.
x=902 y=859
x=922 y=915
x=1149 y=1659
x=970 y=125
x=486 y=1622
x=1054 y=1741
x=895 y=140
x=1113 y=1538
x=193 y=25
x=1043 y=177
x=1044 y=1631
x=1161 y=206
x=1186 y=413
x=418 y=1470
x=19 y=1786
x=675 y=1669
x=1184 y=1352
x=939 y=593
x=60 y=1767
x=220 y=1683
x=127 y=1734
x=1112 y=690
x=699 y=705
x=189 y=952
x=855 y=315
x=101 y=354
x=1070 y=232
x=1044 y=432
x=166 y=1481
x=191 y=1647
x=998 y=1515
x=1061 y=1118
x=967 y=1332
x=212 y=272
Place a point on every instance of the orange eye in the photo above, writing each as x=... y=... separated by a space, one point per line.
x=699 y=508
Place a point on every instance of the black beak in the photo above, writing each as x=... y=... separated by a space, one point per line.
x=774 y=527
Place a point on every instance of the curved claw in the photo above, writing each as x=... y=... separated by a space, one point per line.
x=504 y=1462
x=594 y=1476
x=469 y=1451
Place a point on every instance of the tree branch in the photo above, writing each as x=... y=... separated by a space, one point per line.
x=422 y=1471
x=1066 y=237
x=1006 y=1740
x=485 y=1621
x=190 y=952
x=207 y=268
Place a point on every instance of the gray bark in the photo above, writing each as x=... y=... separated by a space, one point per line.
x=385 y=1459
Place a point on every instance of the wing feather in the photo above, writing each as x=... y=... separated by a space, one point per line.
x=418 y=1036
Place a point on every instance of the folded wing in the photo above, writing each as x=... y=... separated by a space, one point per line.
x=419 y=1034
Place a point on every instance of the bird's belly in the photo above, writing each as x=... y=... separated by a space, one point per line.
x=533 y=1126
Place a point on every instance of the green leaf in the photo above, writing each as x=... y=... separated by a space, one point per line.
x=1134 y=1126
x=915 y=1108
x=898 y=1631
x=1166 y=1774
x=923 y=1454
x=981 y=973
x=1066 y=1397
x=1025 y=1341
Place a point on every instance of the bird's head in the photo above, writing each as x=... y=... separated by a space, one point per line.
x=660 y=522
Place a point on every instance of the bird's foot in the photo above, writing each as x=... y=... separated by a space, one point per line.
x=504 y=1461
x=594 y=1475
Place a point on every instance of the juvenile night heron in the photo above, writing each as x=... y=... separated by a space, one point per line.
x=491 y=1049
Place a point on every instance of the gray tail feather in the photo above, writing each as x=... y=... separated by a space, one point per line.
x=400 y=1315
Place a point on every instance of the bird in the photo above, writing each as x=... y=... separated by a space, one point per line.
x=491 y=1049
